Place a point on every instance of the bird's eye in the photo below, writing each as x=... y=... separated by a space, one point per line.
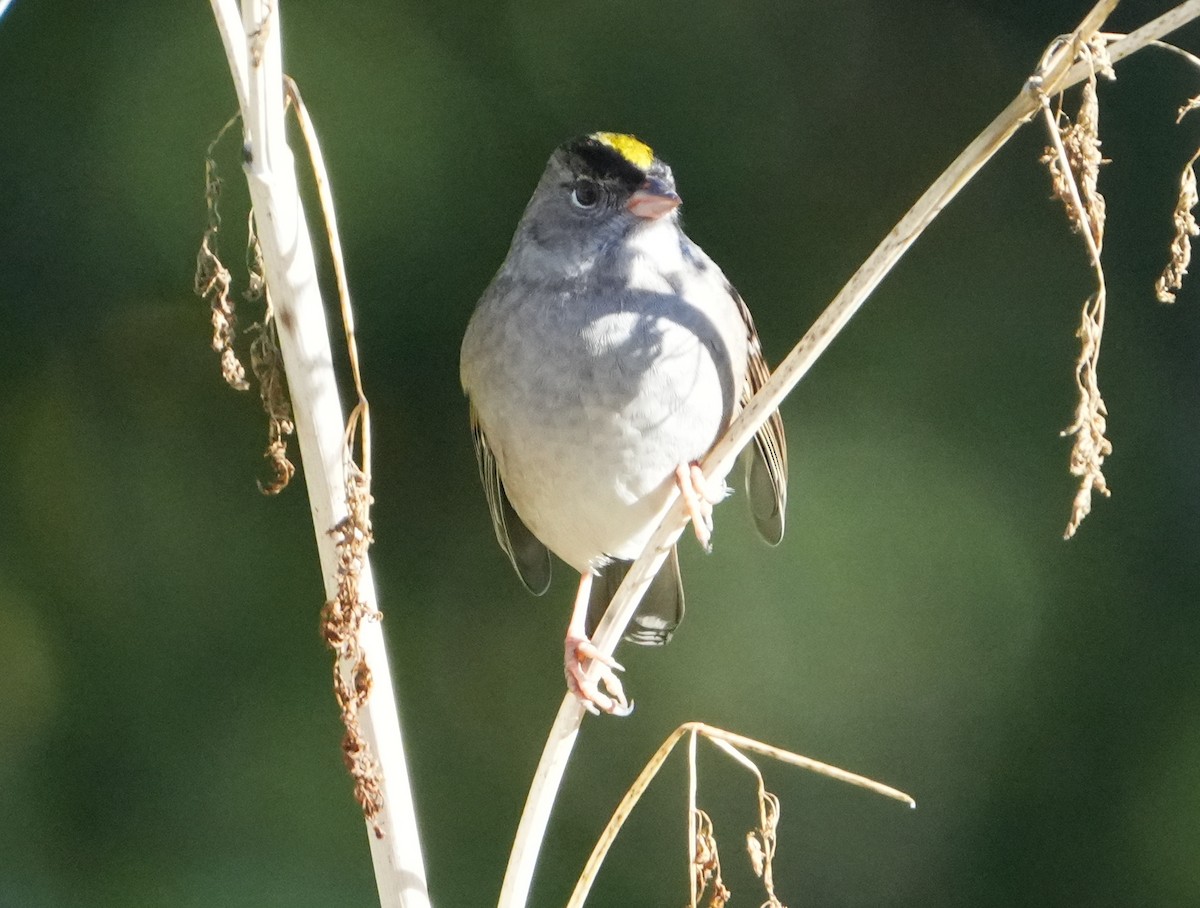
x=585 y=194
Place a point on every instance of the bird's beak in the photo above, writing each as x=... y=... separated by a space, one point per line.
x=653 y=200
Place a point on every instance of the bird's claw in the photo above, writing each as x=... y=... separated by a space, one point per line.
x=612 y=698
x=699 y=496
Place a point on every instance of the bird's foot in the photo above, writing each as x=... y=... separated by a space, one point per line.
x=611 y=699
x=699 y=496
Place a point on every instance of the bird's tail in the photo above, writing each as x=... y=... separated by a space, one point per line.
x=660 y=610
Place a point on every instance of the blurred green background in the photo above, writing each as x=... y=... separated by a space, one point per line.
x=167 y=732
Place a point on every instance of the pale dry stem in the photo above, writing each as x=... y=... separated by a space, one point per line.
x=358 y=426
x=1188 y=106
x=760 y=844
x=1182 y=218
x=373 y=746
x=1186 y=227
x=1074 y=160
x=760 y=841
x=1061 y=71
x=1184 y=221
x=341 y=619
x=1090 y=445
x=1079 y=163
x=704 y=863
x=345 y=614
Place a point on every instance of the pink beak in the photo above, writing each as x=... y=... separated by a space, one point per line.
x=653 y=200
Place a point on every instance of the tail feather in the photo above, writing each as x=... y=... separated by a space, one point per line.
x=660 y=610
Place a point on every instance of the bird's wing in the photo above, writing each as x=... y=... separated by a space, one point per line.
x=527 y=554
x=766 y=474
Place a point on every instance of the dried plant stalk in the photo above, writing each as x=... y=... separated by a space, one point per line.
x=341 y=623
x=338 y=489
x=1184 y=221
x=1059 y=72
x=703 y=863
x=267 y=362
x=1186 y=227
x=344 y=615
x=1088 y=429
x=1171 y=279
x=760 y=841
x=213 y=282
x=706 y=865
x=1074 y=160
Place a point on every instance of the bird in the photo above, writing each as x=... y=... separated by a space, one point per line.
x=603 y=361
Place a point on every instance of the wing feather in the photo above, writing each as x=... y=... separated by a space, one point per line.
x=766 y=473
x=528 y=555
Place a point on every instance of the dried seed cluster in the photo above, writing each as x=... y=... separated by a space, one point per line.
x=341 y=621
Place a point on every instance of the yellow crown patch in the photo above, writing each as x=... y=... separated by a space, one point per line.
x=632 y=149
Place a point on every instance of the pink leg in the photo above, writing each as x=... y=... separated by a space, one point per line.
x=579 y=648
x=699 y=498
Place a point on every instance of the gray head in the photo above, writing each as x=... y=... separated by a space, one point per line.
x=596 y=190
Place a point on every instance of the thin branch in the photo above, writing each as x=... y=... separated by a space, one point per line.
x=1185 y=225
x=731 y=743
x=361 y=416
x=334 y=483
x=1182 y=218
x=693 y=818
x=1152 y=31
x=1061 y=72
x=229 y=24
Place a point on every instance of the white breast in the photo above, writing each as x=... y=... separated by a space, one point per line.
x=589 y=423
